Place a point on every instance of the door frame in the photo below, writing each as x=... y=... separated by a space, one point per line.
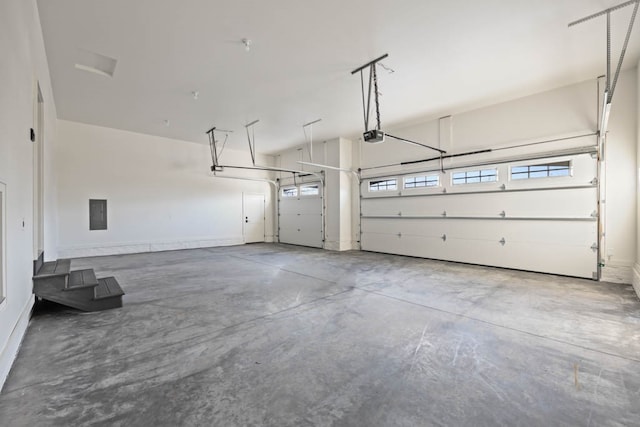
x=38 y=174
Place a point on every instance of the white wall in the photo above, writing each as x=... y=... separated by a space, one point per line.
x=620 y=249
x=566 y=111
x=160 y=193
x=23 y=64
x=339 y=194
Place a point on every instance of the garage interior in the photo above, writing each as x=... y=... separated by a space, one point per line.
x=367 y=213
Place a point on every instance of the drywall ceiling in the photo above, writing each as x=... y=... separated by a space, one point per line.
x=448 y=56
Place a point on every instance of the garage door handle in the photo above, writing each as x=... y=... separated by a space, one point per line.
x=246 y=219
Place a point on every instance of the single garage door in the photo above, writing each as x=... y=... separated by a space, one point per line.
x=300 y=214
x=539 y=214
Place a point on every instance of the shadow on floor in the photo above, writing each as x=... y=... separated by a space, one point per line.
x=46 y=308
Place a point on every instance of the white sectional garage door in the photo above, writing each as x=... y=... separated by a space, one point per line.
x=538 y=215
x=300 y=214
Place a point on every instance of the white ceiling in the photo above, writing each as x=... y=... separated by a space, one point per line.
x=448 y=56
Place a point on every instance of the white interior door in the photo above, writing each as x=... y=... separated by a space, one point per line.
x=253 y=217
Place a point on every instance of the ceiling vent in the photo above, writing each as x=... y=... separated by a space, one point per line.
x=95 y=63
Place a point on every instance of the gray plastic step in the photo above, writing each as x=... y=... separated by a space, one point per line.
x=57 y=268
x=79 y=279
x=108 y=287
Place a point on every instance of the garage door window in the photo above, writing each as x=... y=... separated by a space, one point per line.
x=309 y=190
x=290 y=192
x=383 y=185
x=541 y=170
x=422 y=181
x=475 y=176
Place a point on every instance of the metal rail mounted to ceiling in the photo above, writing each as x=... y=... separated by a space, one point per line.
x=216 y=154
x=477 y=152
x=610 y=85
x=319 y=165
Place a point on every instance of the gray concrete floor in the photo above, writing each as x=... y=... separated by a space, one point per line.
x=276 y=335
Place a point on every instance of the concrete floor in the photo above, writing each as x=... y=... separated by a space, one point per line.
x=276 y=335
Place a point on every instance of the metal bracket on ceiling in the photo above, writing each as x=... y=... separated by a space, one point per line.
x=373 y=84
x=213 y=145
x=251 y=138
x=611 y=85
x=310 y=125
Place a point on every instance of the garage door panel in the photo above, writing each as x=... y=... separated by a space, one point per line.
x=538 y=224
x=310 y=206
x=301 y=237
x=565 y=203
x=566 y=233
x=569 y=250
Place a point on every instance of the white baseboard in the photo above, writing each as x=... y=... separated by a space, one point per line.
x=636 y=279
x=132 y=248
x=10 y=351
x=617 y=273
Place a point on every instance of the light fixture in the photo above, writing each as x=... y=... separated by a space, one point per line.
x=247 y=44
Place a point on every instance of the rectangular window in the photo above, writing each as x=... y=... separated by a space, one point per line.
x=290 y=192
x=475 y=176
x=383 y=185
x=541 y=170
x=309 y=190
x=422 y=181
x=97 y=214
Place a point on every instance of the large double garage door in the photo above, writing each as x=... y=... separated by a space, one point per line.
x=539 y=214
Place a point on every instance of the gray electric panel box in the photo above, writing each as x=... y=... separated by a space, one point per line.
x=97 y=214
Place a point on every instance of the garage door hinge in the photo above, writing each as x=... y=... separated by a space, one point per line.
x=444 y=237
x=444 y=190
x=594 y=247
x=503 y=214
x=502 y=241
x=444 y=213
x=503 y=187
x=399 y=235
x=594 y=181
x=400 y=213
x=594 y=214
